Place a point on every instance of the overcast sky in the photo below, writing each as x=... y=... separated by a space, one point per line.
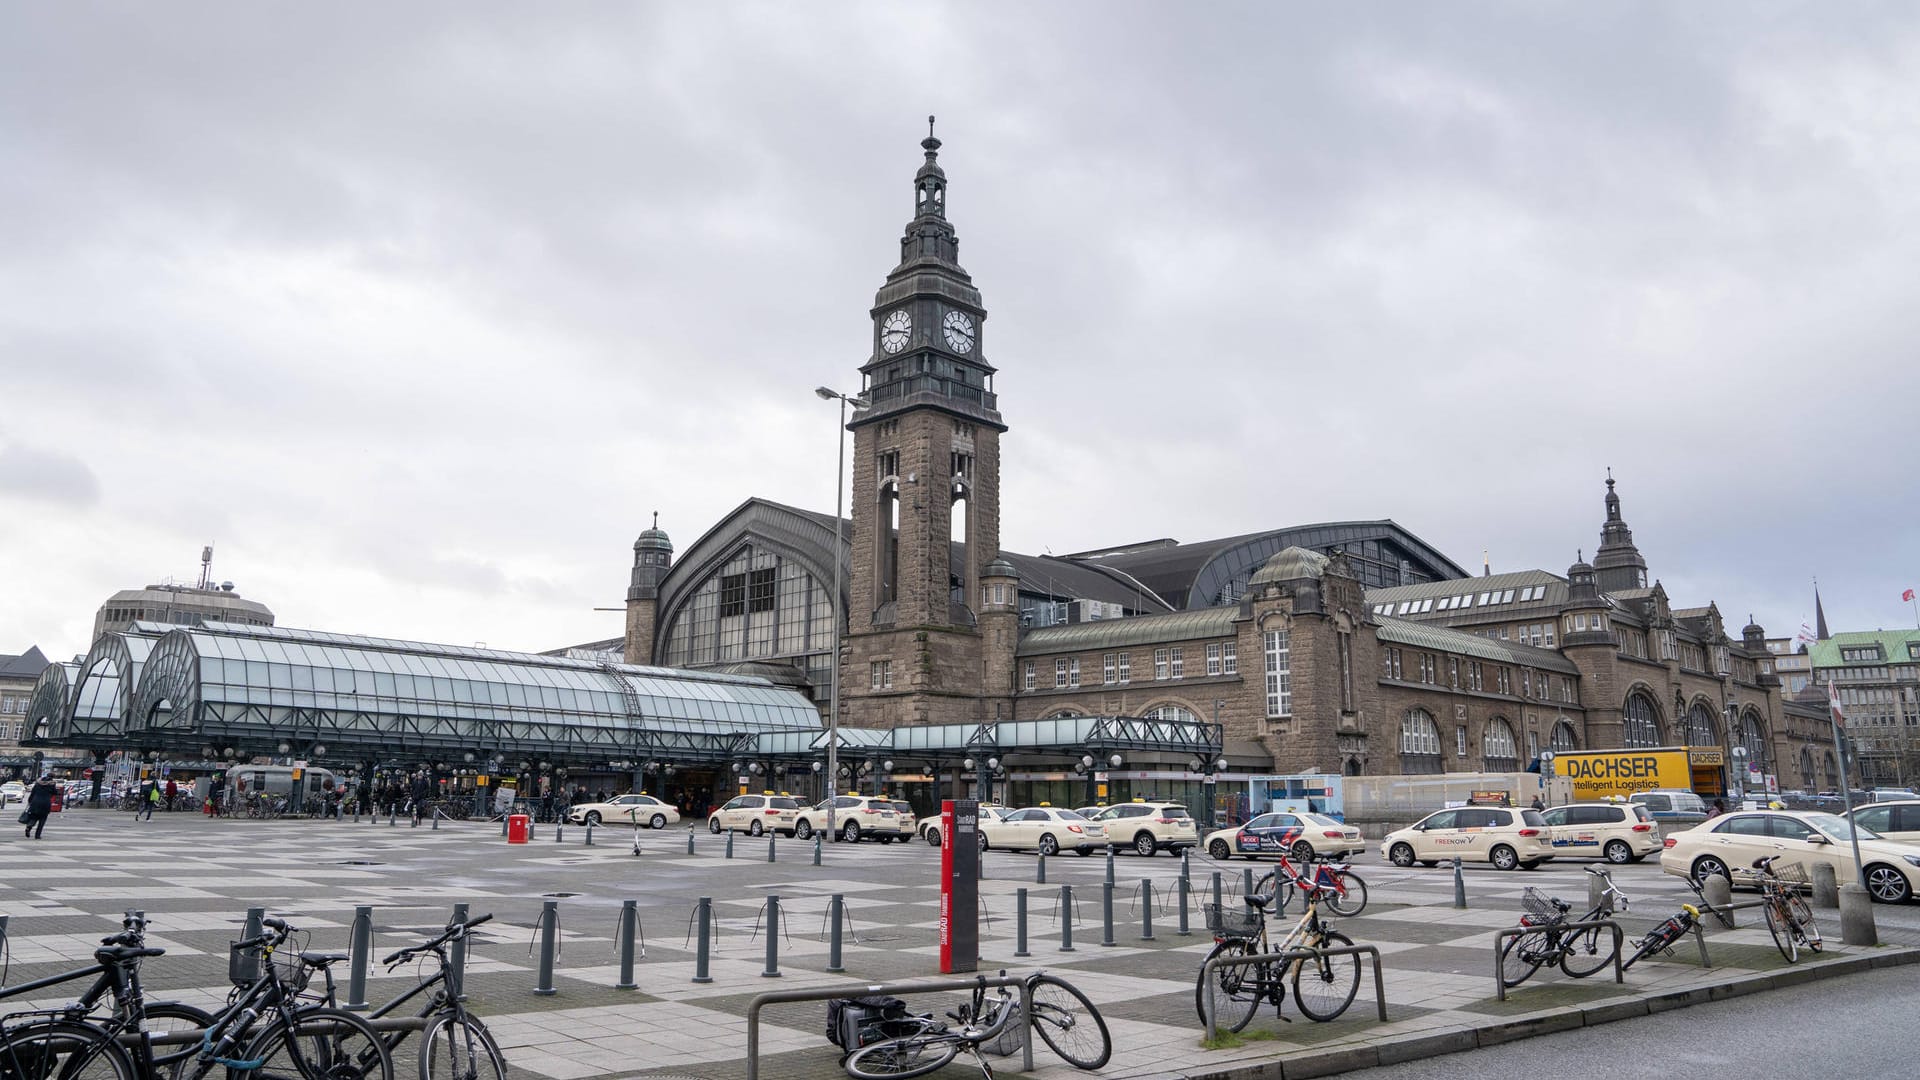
x=419 y=311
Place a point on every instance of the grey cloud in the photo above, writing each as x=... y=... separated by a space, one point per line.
x=47 y=476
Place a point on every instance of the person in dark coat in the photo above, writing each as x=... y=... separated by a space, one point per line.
x=39 y=806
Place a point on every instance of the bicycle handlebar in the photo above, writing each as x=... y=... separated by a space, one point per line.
x=450 y=933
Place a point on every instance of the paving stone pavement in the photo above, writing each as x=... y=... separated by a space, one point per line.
x=195 y=877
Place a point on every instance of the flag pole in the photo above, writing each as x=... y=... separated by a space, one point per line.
x=1834 y=716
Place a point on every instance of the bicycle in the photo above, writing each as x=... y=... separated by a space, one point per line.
x=117 y=967
x=1789 y=919
x=1063 y=1016
x=1343 y=891
x=1663 y=937
x=1579 y=953
x=1323 y=987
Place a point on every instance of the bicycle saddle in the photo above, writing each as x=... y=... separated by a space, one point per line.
x=322 y=959
x=1259 y=900
x=1562 y=905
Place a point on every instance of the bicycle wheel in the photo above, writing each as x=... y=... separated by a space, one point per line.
x=460 y=1048
x=1069 y=1023
x=1236 y=991
x=1282 y=890
x=61 y=1050
x=915 y=1055
x=169 y=1017
x=1350 y=902
x=1802 y=916
x=1586 y=951
x=1781 y=927
x=1324 y=987
x=1521 y=956
x=321 y=1044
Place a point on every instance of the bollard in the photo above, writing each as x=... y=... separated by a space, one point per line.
x=362 y=944
x=1109 y=864
x=1826 y=890
x=393 y=815
x=1066 y=918
x=836 y=908
x=819 y=842
x=251 y=958
x=1246 y=881
x=629 y=923
x=1596 y=893
x=558 y=828
x=436 y=819
x=1856 y=916
x=773 y=938
x=636 y=838
x=689 y=841
x=1146 y=909
x=549 y=930
x=1040 y=869
x=356 y=813
x=1719 y=892
x=1106 y=914
x=770 y=847
x=729 y=843
x=1186 y=899
x=503 y=825
x=703 y=911
x=1019 y=923
x=1216 y=889
x=533 y=826
x=457 y=959
x=589 y=834
x=1459 y=884
x=413 y=820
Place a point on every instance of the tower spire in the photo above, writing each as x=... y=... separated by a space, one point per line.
x=1819 y=615
x=1617 y=563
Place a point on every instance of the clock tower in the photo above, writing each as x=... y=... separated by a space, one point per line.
x=926 y=486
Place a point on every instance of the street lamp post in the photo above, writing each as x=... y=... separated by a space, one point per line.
x=839 y=548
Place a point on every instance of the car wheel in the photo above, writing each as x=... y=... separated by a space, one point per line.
x=713 y=825
x=1143 y=845
x=850 y=832
x=1048 y=845
x=1889 y=886
x=983 y=840
x=804 y=830
x=1219 y=850
x=1618 y=852
x=1302 y=851
x=1402 y=855
x=1707 y=866
x=1503 y=858
x=593 y=817
x=753 y=828
x=933 y=837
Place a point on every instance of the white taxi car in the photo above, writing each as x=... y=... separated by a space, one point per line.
x=756 y=814
x=1616 y=832
x=1044 y=829
x=1896 y=821
x=1300 y=836
x=1506 y=837
x=856 y=817
x=930 y=825
x=1729 y=844
x=1147 y=827
x=640 y=809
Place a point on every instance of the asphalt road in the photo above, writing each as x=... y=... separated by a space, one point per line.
x=1859 y=1027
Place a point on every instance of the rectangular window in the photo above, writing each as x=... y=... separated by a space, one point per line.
x=1213 y=658
x=760 y=589
x=1279 y=674
x=1178 y=665
x=1392 y=662
x=1580 y=622
x=1453 y=672
x=1526 y=683
x=1073 y=671
x=880 y=673
x=1029 y=674
x=999 y=593
x=1475 y=677
x=1159 y=664
x=887 y=463
x=1429 y=671
x=1126 y=668
x=733 y=595
x=1060 y=674
x=1229 y=659
x=1460 y=741
x=1106 y=669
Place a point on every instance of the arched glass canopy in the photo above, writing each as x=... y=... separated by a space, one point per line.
x=96 y=714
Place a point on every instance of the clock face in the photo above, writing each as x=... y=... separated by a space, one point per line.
x=894 y=330
x=959 y=330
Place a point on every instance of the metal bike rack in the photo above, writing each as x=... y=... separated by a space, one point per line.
x=1214 y=964
x=1500 y=936
x=784 y=997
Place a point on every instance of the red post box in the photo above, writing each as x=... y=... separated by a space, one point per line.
x=517 y=828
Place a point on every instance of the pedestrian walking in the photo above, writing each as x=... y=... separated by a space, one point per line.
x=148 y=795
x=173 y=792
x=39 y=805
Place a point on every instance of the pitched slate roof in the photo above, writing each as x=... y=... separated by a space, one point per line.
x=27 y=665
x=1443 y=639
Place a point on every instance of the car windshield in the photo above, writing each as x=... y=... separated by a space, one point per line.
x=781 y=802
x=1068 y=815
x=1174 y=812
x=1323 y=821
x=901 y=808
x=1532 y=817
x=1840 y=828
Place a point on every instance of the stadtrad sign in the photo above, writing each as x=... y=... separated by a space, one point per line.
x=959 y=885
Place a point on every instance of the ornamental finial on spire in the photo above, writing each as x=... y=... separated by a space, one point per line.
x=930 y=144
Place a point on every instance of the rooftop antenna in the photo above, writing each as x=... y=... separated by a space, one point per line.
x=206 y=567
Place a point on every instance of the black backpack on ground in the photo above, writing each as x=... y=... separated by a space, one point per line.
x=854 y=1022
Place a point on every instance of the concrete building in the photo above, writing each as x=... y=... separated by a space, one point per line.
x=1876 y=675
x=181 y=605
x=18 y=675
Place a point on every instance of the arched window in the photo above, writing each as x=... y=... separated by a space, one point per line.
x=1419 y=743
x=1755 y=740
x=1642 y=722
x=1807 y=778
x=1060 y=713
x=1700 y=731
x=1562 y=740
x=1168 y=712
x=1498 y=747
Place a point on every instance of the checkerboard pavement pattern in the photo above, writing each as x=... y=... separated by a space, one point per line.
x=195 y=877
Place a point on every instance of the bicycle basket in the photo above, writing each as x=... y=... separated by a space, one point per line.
x=1011 y=1038
x=1227 y=922
x=1539 y=904
x=243 y=965
x=1793 y=875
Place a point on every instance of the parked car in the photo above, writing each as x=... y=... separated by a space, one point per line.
x=857 y=817
x=1505 y=837
x=1893 y=795
x=756 y=814
x=1896 y=821
x=1044 y=829
x=633 y=809
x=1729 y=844
x=13 y=791
x=909 y=824
x=930 y=826
x=1616 y=832
x=1672 y=807
x=1147 y=827
x=1301 y=836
